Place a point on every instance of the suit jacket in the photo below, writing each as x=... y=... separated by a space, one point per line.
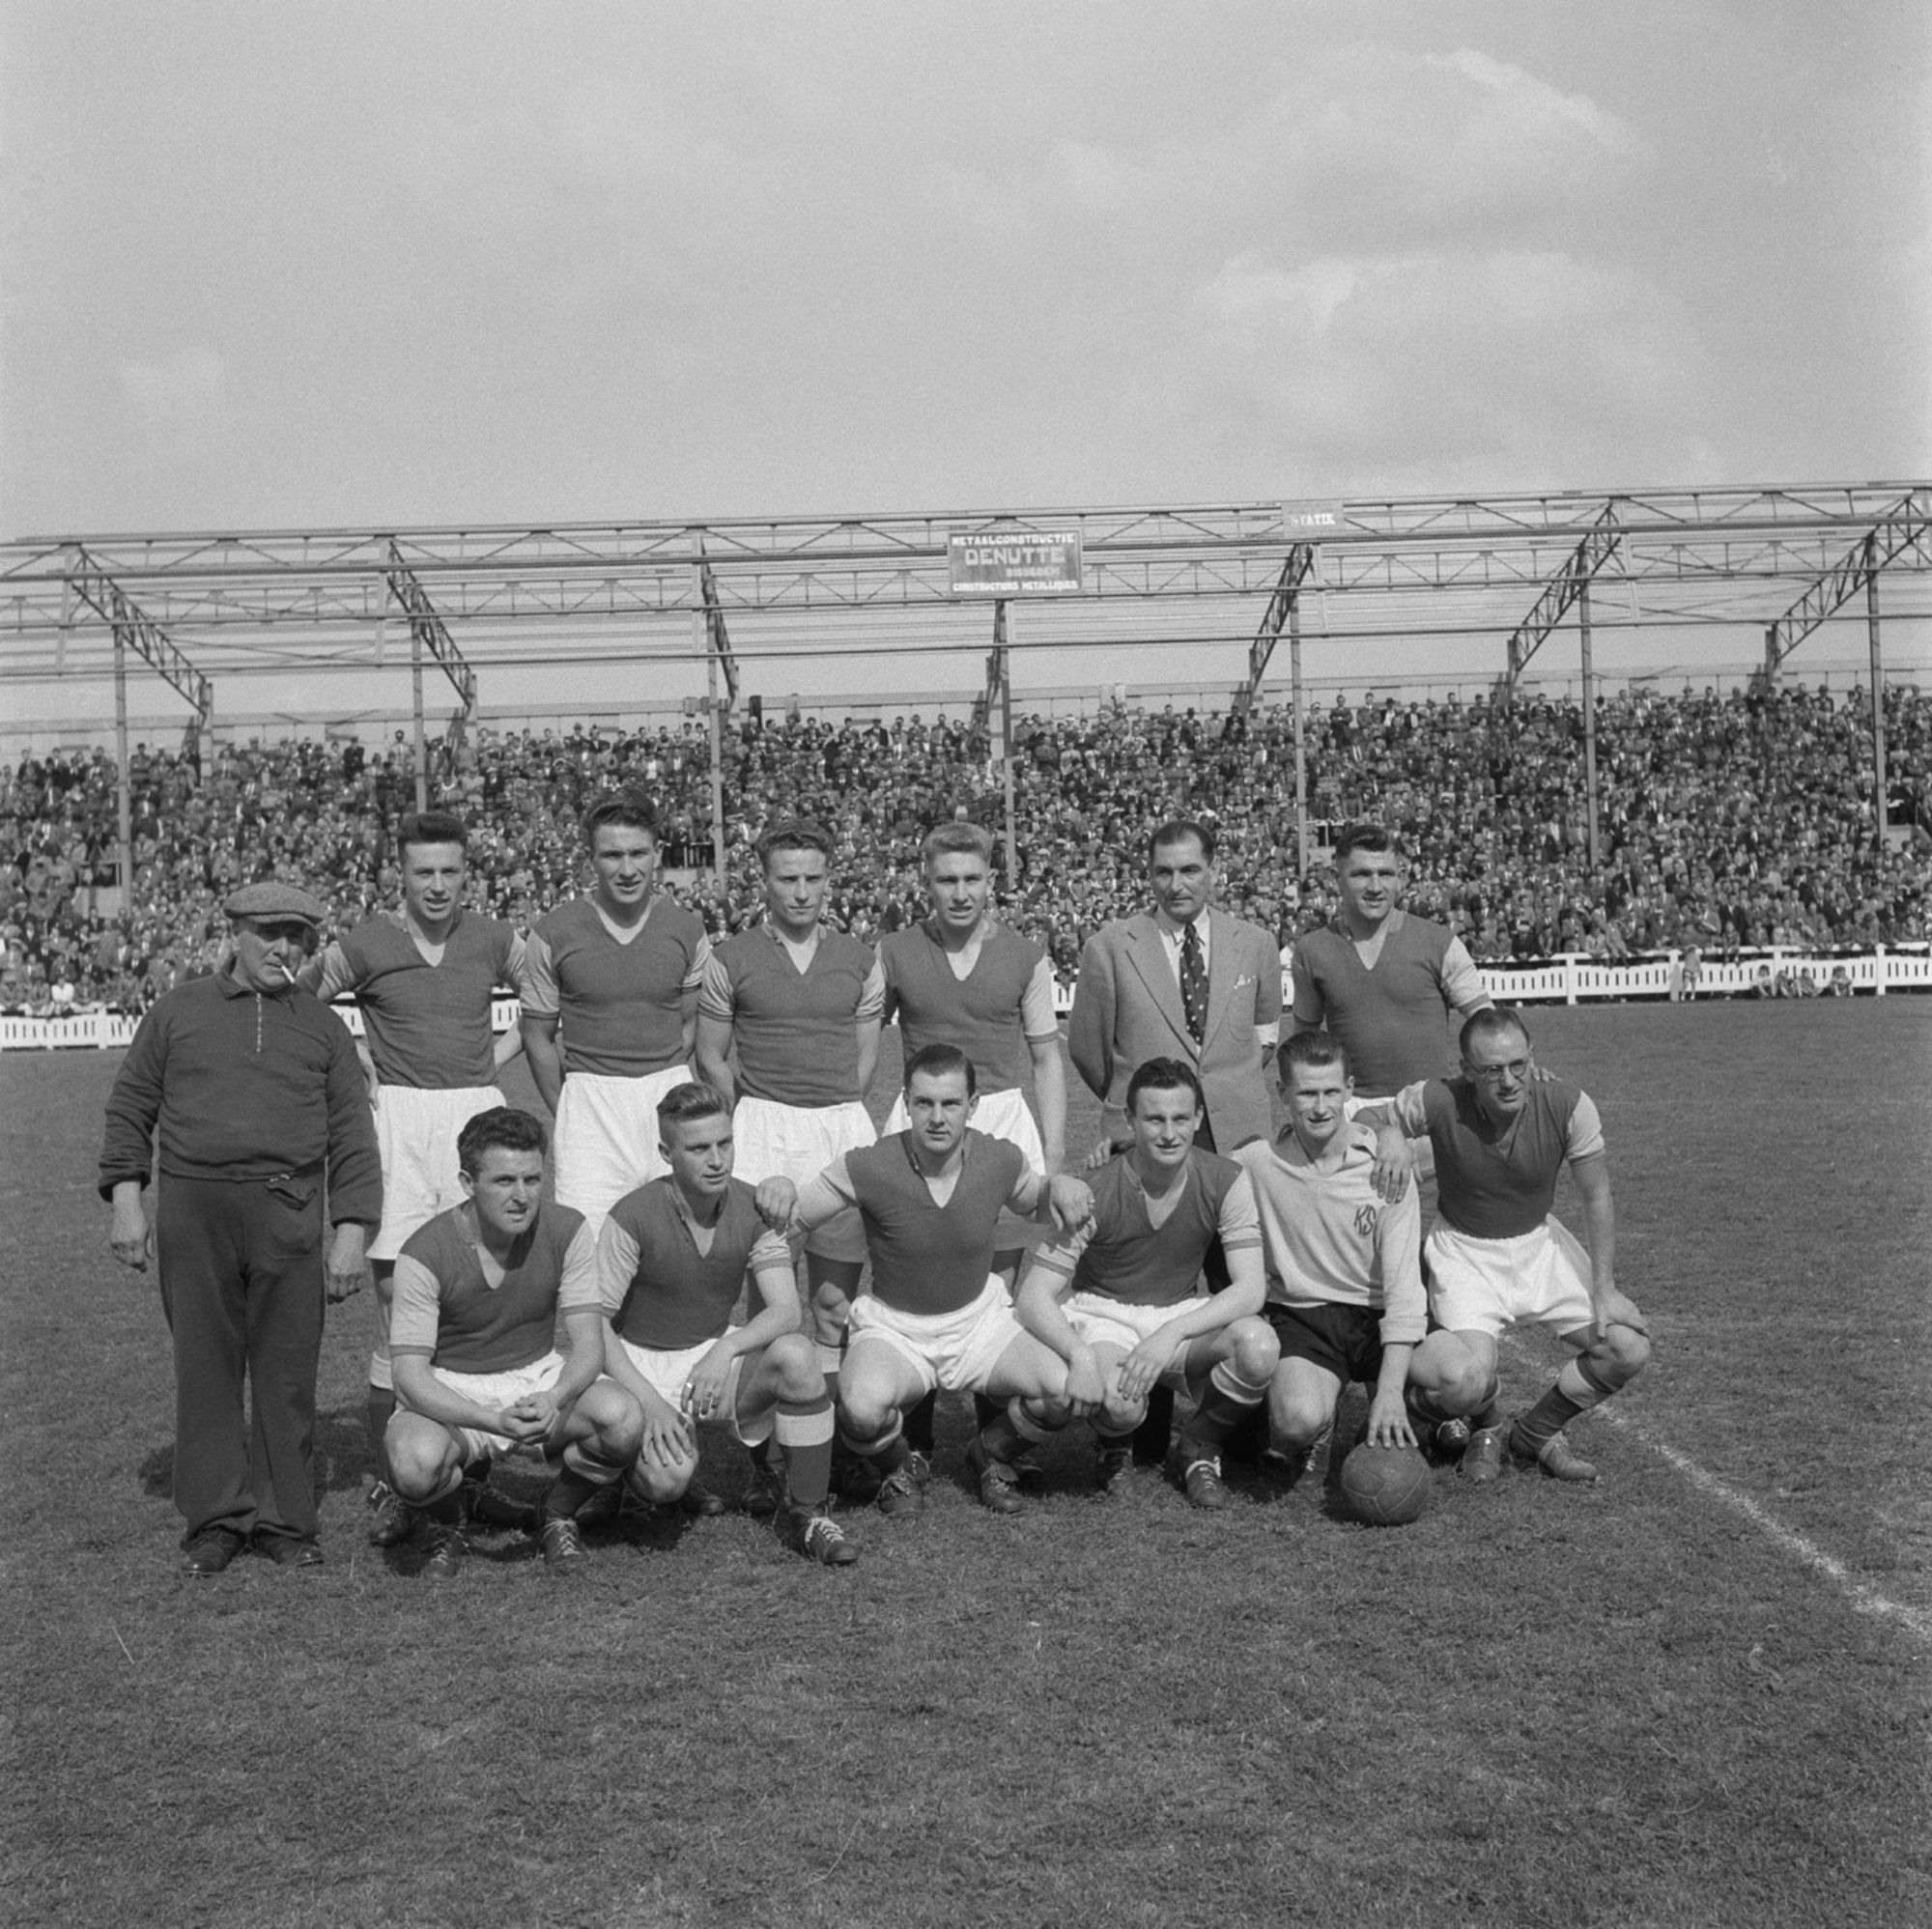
x=1126 y=1009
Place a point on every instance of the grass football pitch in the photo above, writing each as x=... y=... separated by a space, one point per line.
x=1696 y=1694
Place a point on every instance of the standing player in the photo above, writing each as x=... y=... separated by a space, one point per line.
x=1381 y=978
x=616 y=969
x=930 y=1200
x=964 y=979
x=1134 y=1320
x=424 y=977
x=1344 y=1272
x=672 y=1259
x=1498 y=1257
x=479 y=1292
x=798 y=1005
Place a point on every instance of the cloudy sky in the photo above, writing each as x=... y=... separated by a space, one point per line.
x=323 y=265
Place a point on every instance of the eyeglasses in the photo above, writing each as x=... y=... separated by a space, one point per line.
x=1517 y=1069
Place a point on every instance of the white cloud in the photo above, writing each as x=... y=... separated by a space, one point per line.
x=1441 y=369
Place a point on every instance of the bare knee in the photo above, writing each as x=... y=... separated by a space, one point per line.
x=1621 y=1354
x=615 y=1420
x=794 y=1366
x=421 y=1454
x=1297 y=1415
x=1255 y=1350
x=867 y=1412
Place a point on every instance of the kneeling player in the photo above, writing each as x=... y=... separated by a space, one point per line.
x=937 y=1316
x=1134 y=1320
x=671 y=1261
x=1343 y=1277
x=479 y=1290
x=1498 y=1257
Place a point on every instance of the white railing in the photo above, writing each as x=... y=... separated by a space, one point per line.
x=1570 y=979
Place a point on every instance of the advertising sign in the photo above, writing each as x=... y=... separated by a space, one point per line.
x=1310 y=522
x=1014 y=562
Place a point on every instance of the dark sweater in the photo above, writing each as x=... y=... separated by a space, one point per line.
x=244 y=1086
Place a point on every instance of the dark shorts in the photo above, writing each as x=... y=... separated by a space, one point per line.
x=1343 y=1339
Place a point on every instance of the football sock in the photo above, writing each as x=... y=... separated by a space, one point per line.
x=578 y=1477
x=888 y=1452
x=1005 y=1435
x=804 y=1430
x=446 y=1504
x=1225 y=1401
x=1488 y=1410
x=381 y=1404
x=1151 y=1437
x=1107 y=1441
x=918 y=1424
x=1576 y=1390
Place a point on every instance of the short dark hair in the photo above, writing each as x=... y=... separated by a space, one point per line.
x=958 y=840
x=432 y=827
x=1312 y=1049
x=1177 y=831
x=626 y=806
x=1353 y=838
x=1491 y=1022
x=1163 y=1075
x=692 y=1099
x=502 y=1128
x=795 y=834
x=939 y=1060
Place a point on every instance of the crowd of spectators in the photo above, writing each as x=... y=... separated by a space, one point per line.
x=1727 y=820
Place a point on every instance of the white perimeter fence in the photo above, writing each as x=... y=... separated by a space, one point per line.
x=1573 y=978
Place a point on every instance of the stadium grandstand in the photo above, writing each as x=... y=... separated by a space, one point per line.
x=1608 y=819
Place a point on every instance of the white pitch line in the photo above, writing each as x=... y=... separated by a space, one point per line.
x=1866 y=1599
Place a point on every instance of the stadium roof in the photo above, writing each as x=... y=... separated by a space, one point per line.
x=1193 y=577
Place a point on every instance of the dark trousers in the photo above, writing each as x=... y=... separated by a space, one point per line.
x=242 y=1285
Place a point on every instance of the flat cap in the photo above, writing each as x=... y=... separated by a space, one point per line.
x=270 y=900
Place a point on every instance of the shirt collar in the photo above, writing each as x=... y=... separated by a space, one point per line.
x=1391 y=924
x=1175 y=932
x=682 y=1208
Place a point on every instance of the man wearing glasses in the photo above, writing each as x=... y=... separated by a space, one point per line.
x=1499 y=1258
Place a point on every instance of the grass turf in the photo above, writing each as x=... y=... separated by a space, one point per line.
x=1624 y=1705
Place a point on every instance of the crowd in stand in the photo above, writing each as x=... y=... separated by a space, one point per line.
x=1727 y=820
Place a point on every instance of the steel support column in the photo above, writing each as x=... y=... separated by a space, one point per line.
x=1586 y=560
x=1879 y=800
x=999 y=703
x=428 y=634
x=1284 y=605
x=124 y=807
x=1590 y=802
x=1871 y=553
x=1300 y=740
x=717 y=637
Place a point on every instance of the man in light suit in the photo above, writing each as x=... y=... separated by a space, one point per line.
x=1184 y=982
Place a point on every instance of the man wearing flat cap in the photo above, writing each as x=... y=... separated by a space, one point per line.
x=260 y=1100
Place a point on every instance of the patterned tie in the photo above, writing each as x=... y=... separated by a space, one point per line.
x=1193 y=983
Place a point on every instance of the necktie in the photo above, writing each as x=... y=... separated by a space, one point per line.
x=1193 y=983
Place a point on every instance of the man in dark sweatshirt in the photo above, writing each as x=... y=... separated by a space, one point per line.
x=260 y=1099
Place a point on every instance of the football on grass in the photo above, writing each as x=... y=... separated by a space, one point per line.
x=1385 y=1487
